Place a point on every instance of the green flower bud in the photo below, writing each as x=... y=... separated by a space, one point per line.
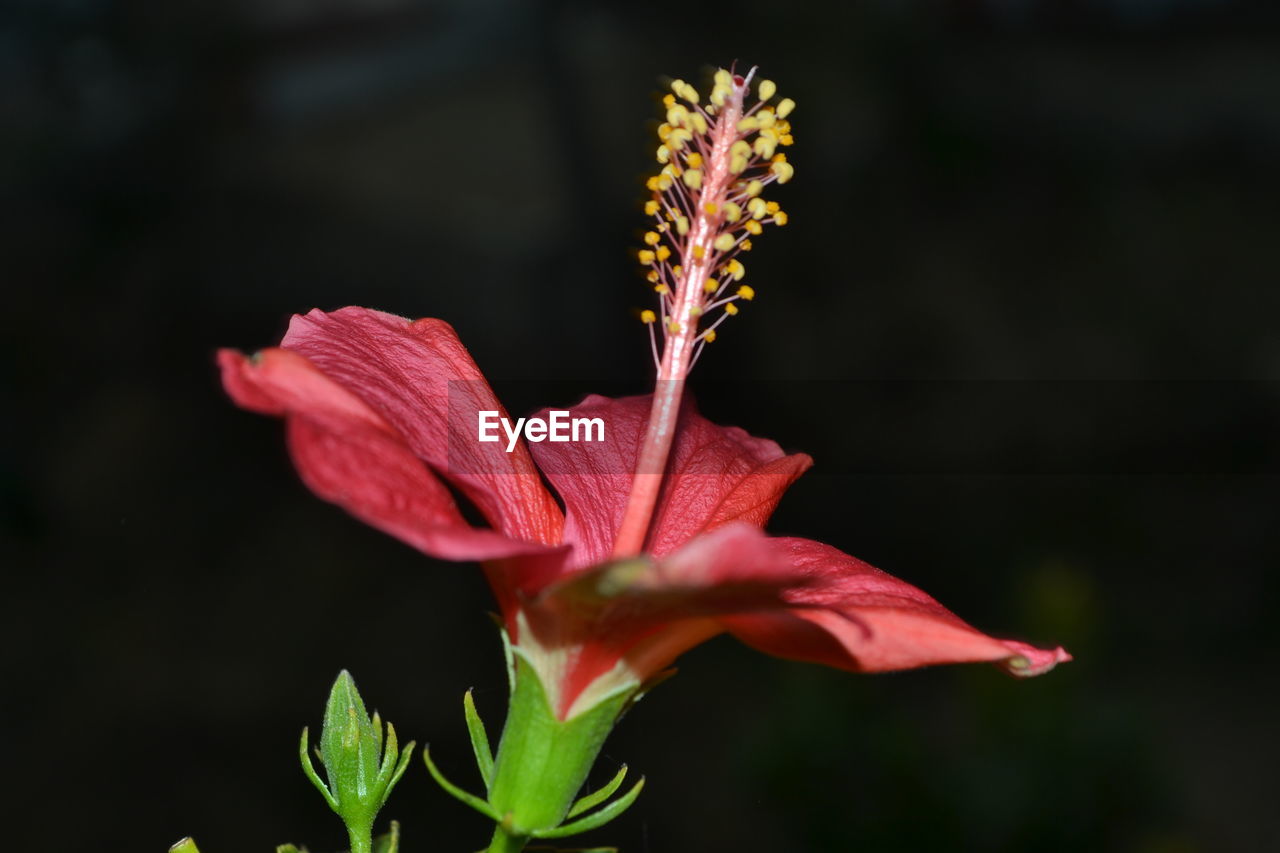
x=361 y=772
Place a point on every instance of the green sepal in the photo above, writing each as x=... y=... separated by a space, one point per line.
x=542 y=760
x=289 y=848
x=389 y=843
x=595 y=819
x=592 y=800
x=479 y=740
x=472 y=800
x=186 y=845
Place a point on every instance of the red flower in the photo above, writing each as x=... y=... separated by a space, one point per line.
x=381 y=413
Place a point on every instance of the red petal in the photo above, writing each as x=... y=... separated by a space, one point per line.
x=793 y=598
x=347 y=454
x=715 y=475
x=649 y=611
x=848 y=614
x=420 y=379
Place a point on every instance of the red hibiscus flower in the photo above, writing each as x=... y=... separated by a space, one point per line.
x=650 y=539
x=381 y=414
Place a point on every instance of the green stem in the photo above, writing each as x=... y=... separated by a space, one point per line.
x=361 y=838
x=504 y=843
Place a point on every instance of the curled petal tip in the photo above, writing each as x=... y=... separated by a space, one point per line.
x=1029 y=660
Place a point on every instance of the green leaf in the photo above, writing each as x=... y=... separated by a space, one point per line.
x=389 y=843
x=310 y=771
x=186 y=845
x=470 y=799
x=479 y=740
x=590 y=801
x=289 y=848
x=596 y=819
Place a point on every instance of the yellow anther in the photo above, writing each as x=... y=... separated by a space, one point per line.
x=699 y=123
x=772 y=206
x=677 y=270
x=731 y=309
x=661 y=227
x=746 y=292
x=748 y=124
x=651 y=237
x=753 y=227
x=741 y=148
x=754 y=188
x=724 y=242
x=664 y=182
x=732 y=213
x=784 y=171
x=735 y=269
x=664 y=131
x=695 y=312
x=780 y=218
x=689 y=93
x=652 y=184
x=766 y=119
x=646 y=256
x=669 y=100
x=677 y=115
x=710 y=208
x=780 y=158
x=673 y=327
x=682 y=225
x=738 y=164
x=661 y=288
x=764 y=146
x=647 y=316
x=723 y=77
x=766 y=90
x=676 y=86
x=693 y=178
x=745 y=245
x=709 y=335
x=663 y=253
x=757 y=207
x=710 y=286
x=694 y=160
x=699 y=253
x=785 y=106
x=679 y=136
x=663 y=154
x=651 y=207
x=652 y=276
x=787 y=139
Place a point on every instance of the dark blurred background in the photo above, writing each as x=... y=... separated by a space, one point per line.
x=1025 y=319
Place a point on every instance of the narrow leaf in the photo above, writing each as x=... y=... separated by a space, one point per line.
x=186 y=845
x=310 y=771
x=400 y=768
x=590 y=801
x=479 y=740
x=470 y=799
x=389 y=843
x=595 y=819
